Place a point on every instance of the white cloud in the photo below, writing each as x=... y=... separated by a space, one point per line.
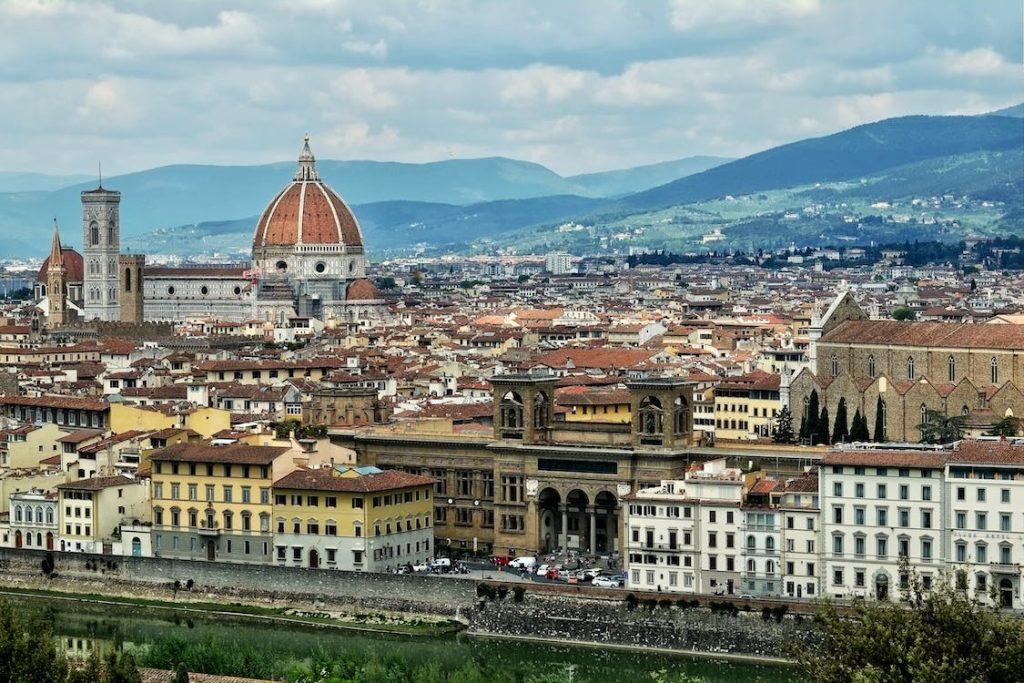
x=362 y=47
x=695 y=15
x=540 y=83
x=359 y=138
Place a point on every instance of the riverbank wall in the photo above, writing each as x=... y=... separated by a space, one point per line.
x=184 y=580
x=548 y=612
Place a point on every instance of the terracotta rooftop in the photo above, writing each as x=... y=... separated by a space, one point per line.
x=886 y=458
x=241 y=454
x=927 y=334
x=96 y=483
x=988 y=452
x=326 y=480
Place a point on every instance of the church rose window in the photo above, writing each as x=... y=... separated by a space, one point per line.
x=170 y=290
x=204 y=290
x=320 y=267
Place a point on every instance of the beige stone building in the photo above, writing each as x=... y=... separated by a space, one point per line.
x=908 y=368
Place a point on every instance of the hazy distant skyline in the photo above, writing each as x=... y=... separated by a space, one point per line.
x=578 y=86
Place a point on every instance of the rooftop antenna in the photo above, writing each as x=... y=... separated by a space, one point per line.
x=99 y=166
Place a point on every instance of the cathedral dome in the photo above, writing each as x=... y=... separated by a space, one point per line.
x=74 y=266
x=362 y=290
x=307 y=211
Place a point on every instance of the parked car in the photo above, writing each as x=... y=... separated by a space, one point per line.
x=746 y=596
x=542 y=569
x=525 y=562
x=421 y=567
x=552 y=573
x=573 y=579
x=589 y=574
x=441 y=564
x=605 y=582
x=620 y=579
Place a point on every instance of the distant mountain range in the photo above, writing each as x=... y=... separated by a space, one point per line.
x=458 y=204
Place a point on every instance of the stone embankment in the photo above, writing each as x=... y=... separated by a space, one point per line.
x=551 y=613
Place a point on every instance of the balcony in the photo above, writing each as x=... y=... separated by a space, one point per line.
x=208 y=527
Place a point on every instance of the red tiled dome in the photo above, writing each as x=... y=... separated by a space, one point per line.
x=307 y=211
x=74 y=266
x=362 y=290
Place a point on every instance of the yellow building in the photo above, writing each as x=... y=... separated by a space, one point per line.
x=89 y=511
x=596 y=405
x=361 y=519
x=746 y=407
x=202 y=420
x=28 y=445
x=214 y=502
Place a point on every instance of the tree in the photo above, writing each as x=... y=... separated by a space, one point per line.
x=936 y=635
x=859 y=428
x=783 y=431
x=180 y=673
x=904 y=313
x=803 y=428
x=822 y=435
x=1008 y=426
x=938 y=428
x=121 y=668
x=841 y=431
x=524 y=278
x=879 y=433
x=28 y=651
x=386 y=283
x=812 y=414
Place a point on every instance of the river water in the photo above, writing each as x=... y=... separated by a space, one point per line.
x=246 y=647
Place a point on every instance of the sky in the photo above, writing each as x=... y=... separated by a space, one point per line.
x=577 y=86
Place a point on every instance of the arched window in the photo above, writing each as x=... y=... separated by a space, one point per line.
x=965 y=411
x=834 y=364
x=994 y=366
x=39 y=515
x=681 y=416
x=952 y=368
x=910 y=368
x=924 y=413
x=49 y=515
x=651 y=416
x=769 y=567
x=17 y=513
x=751 y=541
x=512 y=411
x=751 y=566
x=769 y=543
x=94 y=233
x=871 y=366
x=540 y=410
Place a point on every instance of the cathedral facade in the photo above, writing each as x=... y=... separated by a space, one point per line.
x=308 y=260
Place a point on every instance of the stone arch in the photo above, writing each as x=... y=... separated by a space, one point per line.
x=549 y=503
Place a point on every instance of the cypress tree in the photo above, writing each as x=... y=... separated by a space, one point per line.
x=879 y=435
x=783 y=431
x=841 y=432
x=822 y=436
x=859 y=429
x=812 y=414
x=803 y=428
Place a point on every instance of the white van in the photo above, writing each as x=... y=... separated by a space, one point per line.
x=442 y=563
x=523 y=562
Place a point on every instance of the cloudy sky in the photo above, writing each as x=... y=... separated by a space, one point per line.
x=576 y=85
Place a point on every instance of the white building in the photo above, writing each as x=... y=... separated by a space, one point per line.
x=33 y=519
x=682 y=534
x=880 y=506
x=801 y=524
x=558 y=263
x=985 y=497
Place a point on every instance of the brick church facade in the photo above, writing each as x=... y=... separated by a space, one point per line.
x=972 y=370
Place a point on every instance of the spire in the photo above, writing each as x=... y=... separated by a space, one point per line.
x=307 y=163
x=56 y=254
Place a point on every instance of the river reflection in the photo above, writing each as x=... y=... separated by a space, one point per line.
x=236 y=646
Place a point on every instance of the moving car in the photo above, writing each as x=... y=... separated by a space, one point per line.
x=605 y=582
x=552 y=573
x=542 y=570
